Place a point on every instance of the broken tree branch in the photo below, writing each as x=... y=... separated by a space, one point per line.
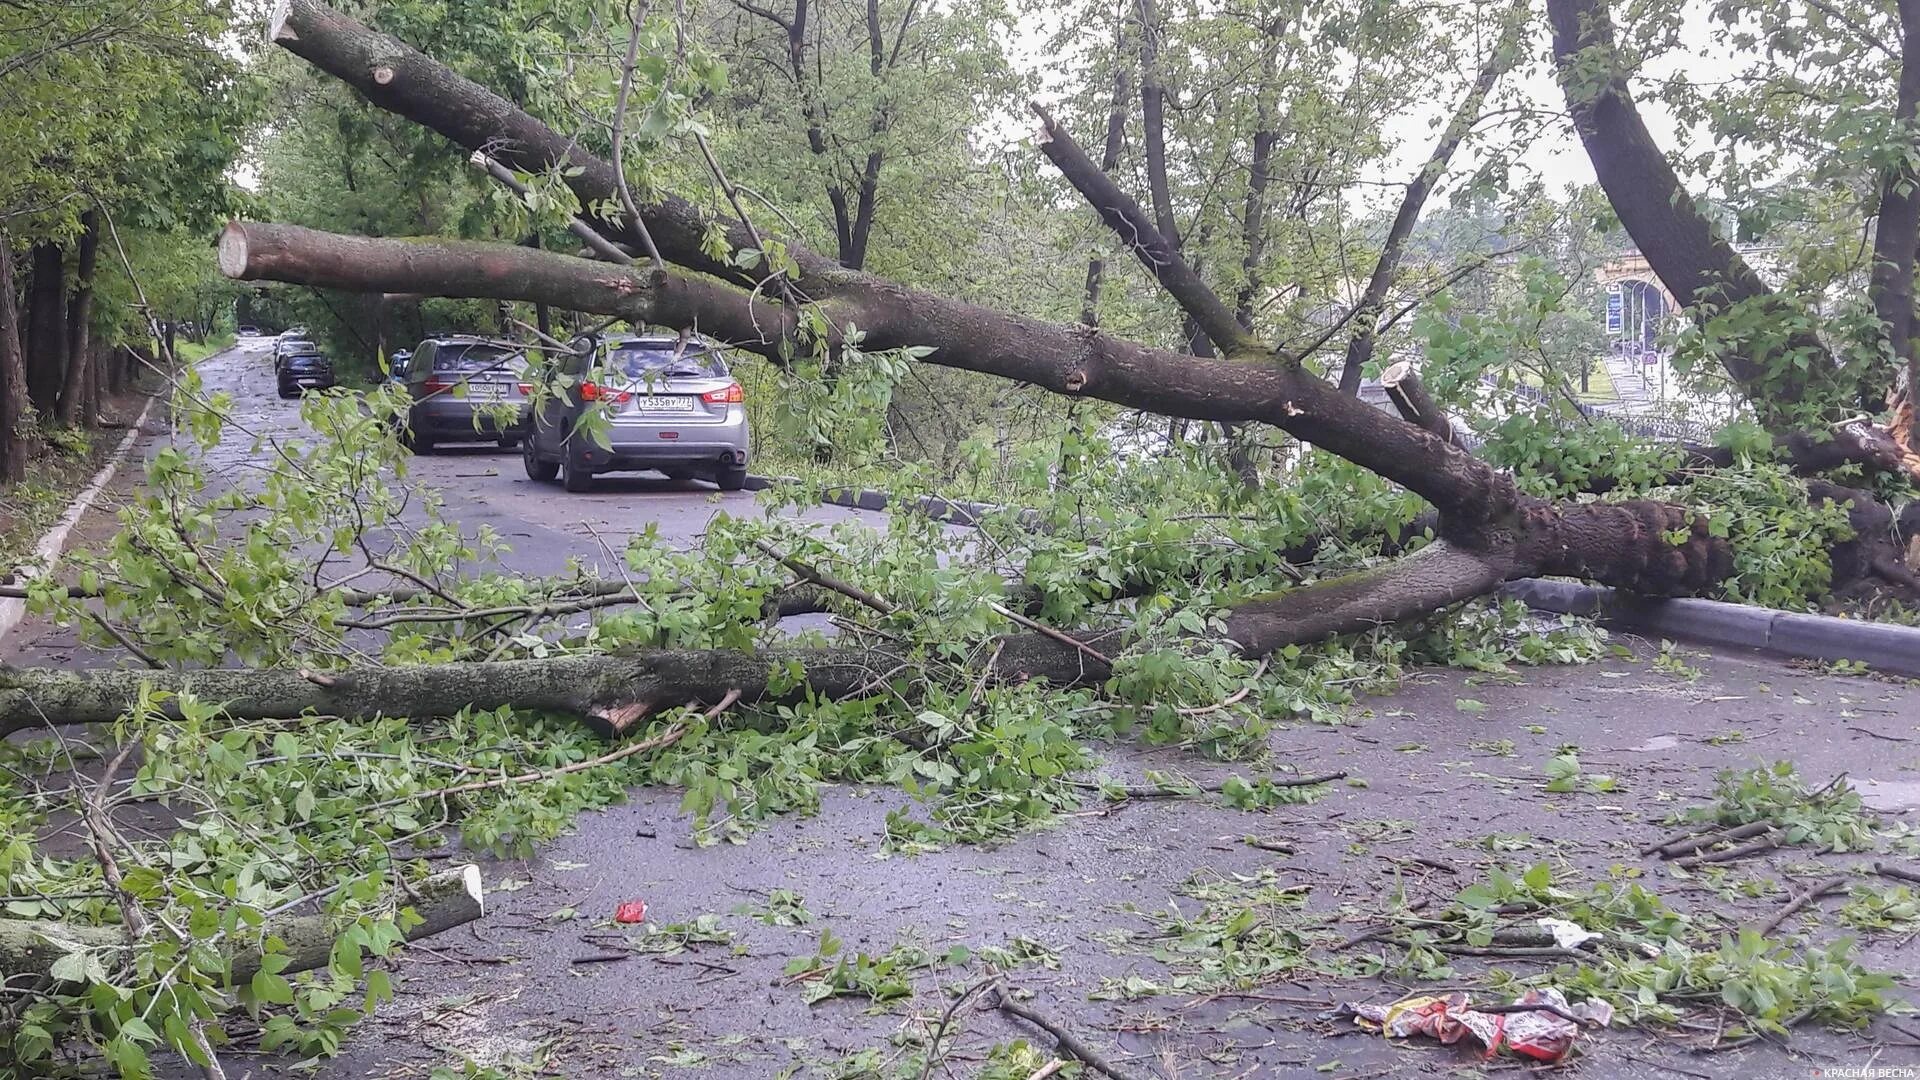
x=1136 y=230
x=444 y=900
x=1068 y=1042
x=1800 y=900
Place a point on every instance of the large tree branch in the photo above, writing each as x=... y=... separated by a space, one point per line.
x=443 y=901
x=1155 y=250
x=1070 y=360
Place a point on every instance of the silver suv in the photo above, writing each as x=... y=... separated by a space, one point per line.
x=630 y=402
x=464 y=389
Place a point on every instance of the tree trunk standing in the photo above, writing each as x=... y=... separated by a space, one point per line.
x=75 y=409
x=96 y=377
x=1366 y=319
x=46 y=329
x=1692 y=260
x=14 y=444
x=1897 y=234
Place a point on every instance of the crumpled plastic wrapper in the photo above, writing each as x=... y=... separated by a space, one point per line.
x=1540 y=1034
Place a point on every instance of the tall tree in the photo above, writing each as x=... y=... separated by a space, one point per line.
x=1771 y=347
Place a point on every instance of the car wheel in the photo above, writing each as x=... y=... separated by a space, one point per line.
x=538 y=469
x=731 y=479
x=576 y=480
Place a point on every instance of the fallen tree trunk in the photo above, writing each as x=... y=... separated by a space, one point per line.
x=601 y=689
x=31 y=947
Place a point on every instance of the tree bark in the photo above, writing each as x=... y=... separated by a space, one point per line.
x=592 y=687
x=14 y=442
x=1897 y=233
x=443 y=901
x=1366 y=318
x=46 y=329
x=1416 y=406
x=75 y=407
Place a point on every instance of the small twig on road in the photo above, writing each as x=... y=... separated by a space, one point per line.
x=1766 y=843
x=1819 y=889
x=946 y=1018
x=1896 y=873
x=1066 y=1040
x=1687 y=845
x=1213 y=788
x=602 y=958
x=1535 y=1006
x=1377 y=932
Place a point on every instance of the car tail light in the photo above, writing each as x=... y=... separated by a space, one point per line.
x=435 y=385
x=525 y=388
x=732 y=395
x=593 y=391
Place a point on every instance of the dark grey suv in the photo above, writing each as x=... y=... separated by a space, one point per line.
x=630 y=402
x=464 y=390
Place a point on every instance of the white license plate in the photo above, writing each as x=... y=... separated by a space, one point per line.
x=485 y=390
x=662 y=403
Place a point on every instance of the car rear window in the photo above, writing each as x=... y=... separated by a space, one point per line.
x=305 y=360
x=659 y=361
x=471 y=357
x=296 y=345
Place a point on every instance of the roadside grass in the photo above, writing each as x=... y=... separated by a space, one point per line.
x=193 y=352
x=28 y=509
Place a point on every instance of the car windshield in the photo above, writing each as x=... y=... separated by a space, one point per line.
x=471 y=358
x=649 y=361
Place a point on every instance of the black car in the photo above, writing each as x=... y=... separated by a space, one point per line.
x=304 y=371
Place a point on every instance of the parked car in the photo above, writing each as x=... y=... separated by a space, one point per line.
x=670 y=407
x=304 y=371
x=249 y=331
x=290 y=346
x=458 y=386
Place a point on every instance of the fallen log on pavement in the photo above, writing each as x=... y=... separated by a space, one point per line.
x=604 y=690
x=30 y=947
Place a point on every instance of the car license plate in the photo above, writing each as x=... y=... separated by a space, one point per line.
x=485 y=390
x=677 y=403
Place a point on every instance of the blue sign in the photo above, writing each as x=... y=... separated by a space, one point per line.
x=1614 y=313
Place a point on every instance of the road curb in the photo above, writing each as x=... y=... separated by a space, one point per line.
x=1882 y=646
x=54 y=541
